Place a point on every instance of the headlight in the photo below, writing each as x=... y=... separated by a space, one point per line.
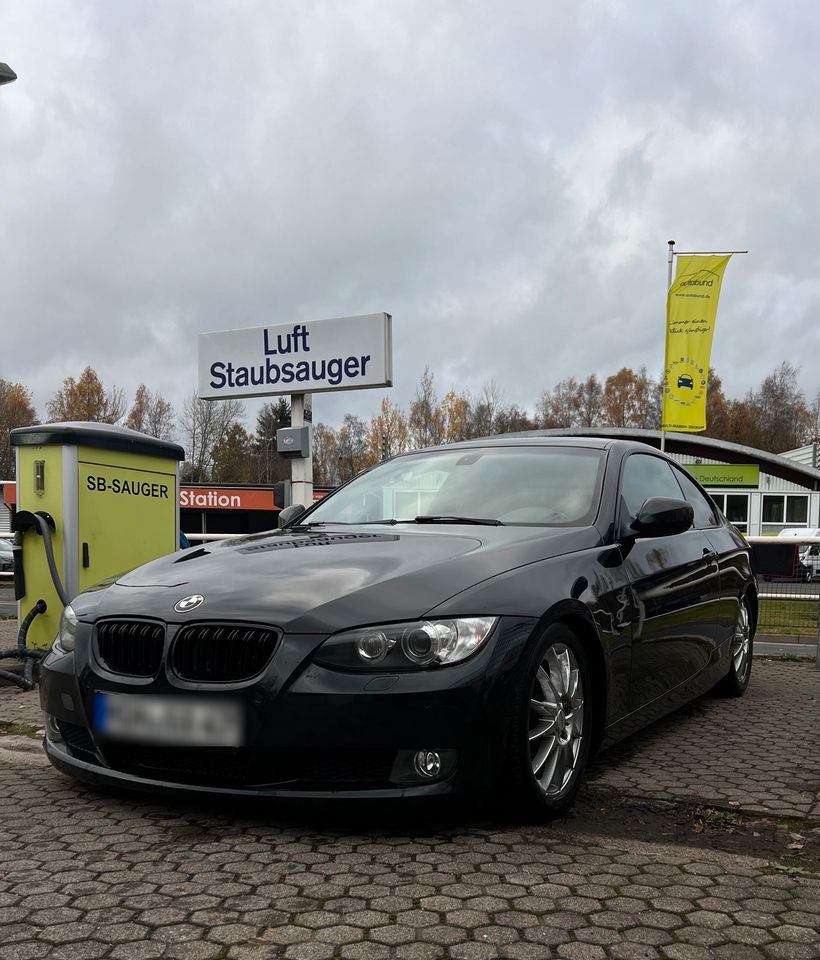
x=68 y=628
x=406 y=646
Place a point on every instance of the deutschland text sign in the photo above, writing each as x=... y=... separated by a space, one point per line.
x=345 y=353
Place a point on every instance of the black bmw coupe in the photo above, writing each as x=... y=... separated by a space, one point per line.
x=472 y=618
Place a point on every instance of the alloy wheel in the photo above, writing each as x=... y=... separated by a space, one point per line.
x=556 y=719
x=741 y=643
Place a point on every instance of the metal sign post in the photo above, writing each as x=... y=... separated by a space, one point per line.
x=670 y=261
x=301 y=467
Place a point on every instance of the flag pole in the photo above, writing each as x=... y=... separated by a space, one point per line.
x=668 y=285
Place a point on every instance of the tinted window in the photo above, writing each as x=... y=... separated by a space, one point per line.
x=644 y=477
x=737 y=509
x=704 y=511
x=797 y=509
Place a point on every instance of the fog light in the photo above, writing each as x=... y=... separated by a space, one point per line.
x=52 y=730
x=427 y=763
x=423 y=767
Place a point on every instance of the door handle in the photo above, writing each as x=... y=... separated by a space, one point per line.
x=709 y=554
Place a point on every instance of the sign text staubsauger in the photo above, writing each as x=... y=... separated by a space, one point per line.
x=344 y=353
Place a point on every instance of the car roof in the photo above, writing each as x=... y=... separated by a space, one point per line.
x=538 y=438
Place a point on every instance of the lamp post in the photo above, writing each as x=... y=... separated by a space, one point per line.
x=6 y=74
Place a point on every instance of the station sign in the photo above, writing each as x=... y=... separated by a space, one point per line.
x=225 y=498
x=315 y=356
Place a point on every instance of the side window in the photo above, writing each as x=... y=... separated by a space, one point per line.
x=646 y=476
x=704 y=511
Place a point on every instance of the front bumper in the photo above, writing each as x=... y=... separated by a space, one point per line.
x=98 y=774
x=312 y=732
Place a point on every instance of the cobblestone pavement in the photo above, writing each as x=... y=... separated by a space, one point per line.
x=87 y=874
x=765 y=753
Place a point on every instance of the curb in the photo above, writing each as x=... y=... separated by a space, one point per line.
x=802 y=650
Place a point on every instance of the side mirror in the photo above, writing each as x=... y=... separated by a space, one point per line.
x=289 y=514
x=662 y=517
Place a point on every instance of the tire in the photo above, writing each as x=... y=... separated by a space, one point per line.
x=550 y=728
x=736 y=681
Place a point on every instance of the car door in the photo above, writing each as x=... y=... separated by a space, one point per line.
x=731 y=554
x=675 y=586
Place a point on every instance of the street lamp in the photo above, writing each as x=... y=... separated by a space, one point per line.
x=6 y=74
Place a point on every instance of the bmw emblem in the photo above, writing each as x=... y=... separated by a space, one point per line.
x=189 y=603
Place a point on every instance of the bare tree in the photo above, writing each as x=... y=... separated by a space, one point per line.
x=590 y=401
x=426 y=422
x=647 y=399
x=205 y=423
x=512 y=419
x=784 y=421
x=814 y=421
x=325 y=456
x=151 y=414
x=558 y=407
x=352 y=453
x=485 y=410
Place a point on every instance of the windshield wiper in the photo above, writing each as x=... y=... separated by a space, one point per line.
x=445 y=518
x=349 y=523
x=392 y=521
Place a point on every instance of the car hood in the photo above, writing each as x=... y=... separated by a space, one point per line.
x=323 y=581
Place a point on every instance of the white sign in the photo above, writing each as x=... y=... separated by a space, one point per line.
x=345 y=353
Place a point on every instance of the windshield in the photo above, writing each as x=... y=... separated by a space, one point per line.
x=529 y=485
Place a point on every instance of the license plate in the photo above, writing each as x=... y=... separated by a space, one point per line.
x=169 y=721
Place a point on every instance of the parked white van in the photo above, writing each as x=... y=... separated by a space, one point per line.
x=808 y=553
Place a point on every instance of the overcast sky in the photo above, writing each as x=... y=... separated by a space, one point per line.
x=501 y=178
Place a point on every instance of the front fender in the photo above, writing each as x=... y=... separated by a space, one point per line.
x=590 y=588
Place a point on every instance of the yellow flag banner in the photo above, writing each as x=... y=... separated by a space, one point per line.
x=691 y=308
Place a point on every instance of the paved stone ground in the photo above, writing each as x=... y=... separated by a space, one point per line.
x=87 y=874
x=766 y=753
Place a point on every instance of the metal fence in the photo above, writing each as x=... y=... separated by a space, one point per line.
x=788 y=580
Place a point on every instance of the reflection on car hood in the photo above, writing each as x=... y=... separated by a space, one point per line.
x=321 y=581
